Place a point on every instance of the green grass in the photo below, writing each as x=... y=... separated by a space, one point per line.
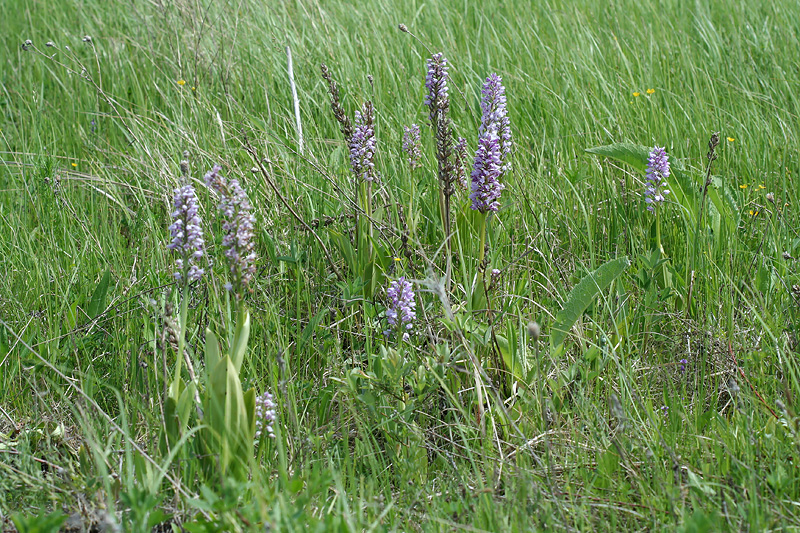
x=604 y=432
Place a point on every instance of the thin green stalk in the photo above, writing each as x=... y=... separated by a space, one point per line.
x=482 y=251
x=174 y=391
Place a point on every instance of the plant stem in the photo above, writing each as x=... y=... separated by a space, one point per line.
x=482 y=251
x=181 y=335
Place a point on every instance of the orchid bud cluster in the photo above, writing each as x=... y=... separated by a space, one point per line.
x=411 y=146
x=236 y=209
x=266 y=415
x=657 y=173
x=438 y=97
x=400 y=307
x=187 y=234
x=362 y=144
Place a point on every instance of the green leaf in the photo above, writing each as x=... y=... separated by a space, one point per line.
x=98 y=302
x=250 y=412
x=310 y=328
x=229 y=437
x=240 y=339
x=39 y=524
x=212 y=350
x=680 y=182
x=635 y=155
x=700 y=484
x=185 y=403
x=507 y=352
x=582 y=295
x=71 y=318
x=345 y=247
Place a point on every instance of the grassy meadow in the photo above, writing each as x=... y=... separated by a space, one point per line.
x=577 y=362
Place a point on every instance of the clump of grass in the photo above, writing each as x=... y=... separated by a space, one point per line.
x=668 y=401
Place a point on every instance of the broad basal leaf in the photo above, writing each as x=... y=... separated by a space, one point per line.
x=582 y=295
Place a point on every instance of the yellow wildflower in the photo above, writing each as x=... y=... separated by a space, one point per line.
x=753 y=213
x=181 y=82
x=636 y=93
x=650 y=91
x=74 y=165
x=743 y=186
x=731 y=139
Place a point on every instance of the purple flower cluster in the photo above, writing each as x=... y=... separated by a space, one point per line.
x=238 y=227
x=411 y=145
x=265 y=415
x=494 y=145
x=495 y=115
x=400 y=308
x=362 y=145
x=187 y=234
x=486 y=172
x=437 y=99
x=683 y=363
x=657 y=173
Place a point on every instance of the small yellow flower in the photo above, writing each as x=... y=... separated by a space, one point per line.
x=650 y=91
x=194 y=88
x=397 y=259
x=753 y=213
x=74 y=165
x=743 y=186
x=181 y=82
x=731 y=139
x=636 y=93
x=761 y=186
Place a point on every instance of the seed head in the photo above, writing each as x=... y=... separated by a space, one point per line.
x=462 y=161
x=713 y=142
x=534 y=330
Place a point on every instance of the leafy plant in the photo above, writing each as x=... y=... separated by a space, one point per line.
x=581 y=297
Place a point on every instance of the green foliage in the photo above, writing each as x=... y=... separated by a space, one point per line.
x=97 y=303
x=229 y=412
x=48 y=523
x=481 y=420
x=582 y=295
